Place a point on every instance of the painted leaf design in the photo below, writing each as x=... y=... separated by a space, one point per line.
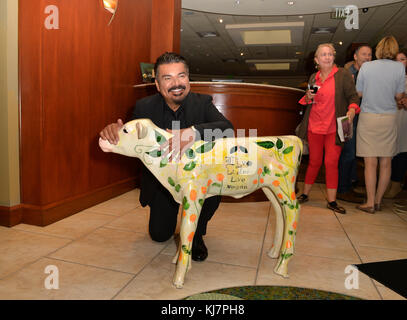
x=190 y=153
x=286 y=255
x=205 y=147
x=290 y=232
x=243 y=149
x=159 y=138
x=266 y=170
x=185 y=203
x=201 y=202
x=265 y=144
x=177 y=188
x=171 y=181
x=163 y=162
x=155 y=153
x=190 y=166
x=185 y=249
x=279 y=144
x=288 y=150
x=216 y=184
x=233 y=150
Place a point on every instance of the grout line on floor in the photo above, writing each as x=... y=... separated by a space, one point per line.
x=268 y=225
x=90 y=265
x=357 y=253
x=21 y=268
x=44 y=234
x=95 y=211
x=142 y=269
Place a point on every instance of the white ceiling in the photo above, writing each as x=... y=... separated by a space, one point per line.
x=208 y=55
x=275 y=7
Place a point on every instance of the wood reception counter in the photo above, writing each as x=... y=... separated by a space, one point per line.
x=272 y=110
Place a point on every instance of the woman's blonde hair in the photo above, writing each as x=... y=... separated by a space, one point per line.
x=387 y=48
x=329 y=45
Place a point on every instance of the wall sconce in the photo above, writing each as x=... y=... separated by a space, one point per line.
x=111 y=6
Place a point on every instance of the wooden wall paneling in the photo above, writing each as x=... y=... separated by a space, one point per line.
x=10 y=216
x=166 y=27
x=74 y=81
x=30 y=27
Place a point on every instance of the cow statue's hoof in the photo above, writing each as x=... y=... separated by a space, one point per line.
x=178 y=281
x=282 y=268
x=274 y=252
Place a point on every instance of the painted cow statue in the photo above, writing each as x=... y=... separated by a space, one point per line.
x=230 y=167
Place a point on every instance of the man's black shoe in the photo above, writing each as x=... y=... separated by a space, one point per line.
x=199 y=250
x=350 y=196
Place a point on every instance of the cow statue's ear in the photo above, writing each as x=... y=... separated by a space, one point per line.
x=141 y=130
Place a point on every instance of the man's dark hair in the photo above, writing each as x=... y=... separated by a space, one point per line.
x=361 y=46
x=170 y=57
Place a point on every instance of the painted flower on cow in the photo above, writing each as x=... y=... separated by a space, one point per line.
x=193 y=195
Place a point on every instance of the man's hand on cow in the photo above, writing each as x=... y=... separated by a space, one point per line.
x=177 y=145
x=111 y=132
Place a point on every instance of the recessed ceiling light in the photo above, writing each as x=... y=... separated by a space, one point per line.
x=270 y=34
x=220 y=20
x=300 y=17
x=207 y=34
x=340 y=43
x=272 y=66
x=290 y=3
x=241 y=53
x=323 y=30
x=259 y=37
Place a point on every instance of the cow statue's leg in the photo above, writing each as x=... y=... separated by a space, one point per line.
x=274 y=251
x=285 y=191
x=192 y=205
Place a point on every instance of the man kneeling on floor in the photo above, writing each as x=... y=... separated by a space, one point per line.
x=188 y=114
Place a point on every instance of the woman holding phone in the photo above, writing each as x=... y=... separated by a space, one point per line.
x=331 y=94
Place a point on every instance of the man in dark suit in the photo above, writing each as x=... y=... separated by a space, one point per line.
x=192 y=117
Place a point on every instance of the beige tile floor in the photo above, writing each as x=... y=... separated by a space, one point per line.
x=105 y=252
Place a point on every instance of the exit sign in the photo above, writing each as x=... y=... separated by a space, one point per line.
x=339 y=13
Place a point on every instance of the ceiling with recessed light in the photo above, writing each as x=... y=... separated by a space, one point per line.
x=269 y=41
x=275 y=7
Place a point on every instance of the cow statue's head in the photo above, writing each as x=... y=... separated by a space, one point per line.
x=132 y=136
